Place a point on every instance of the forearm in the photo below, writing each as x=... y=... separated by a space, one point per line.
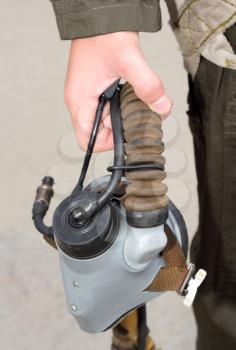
x=83 y=18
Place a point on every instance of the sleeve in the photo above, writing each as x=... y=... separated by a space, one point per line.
x=85 y=18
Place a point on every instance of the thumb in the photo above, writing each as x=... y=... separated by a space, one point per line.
x=147 y=85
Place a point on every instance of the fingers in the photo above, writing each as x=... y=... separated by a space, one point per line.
x=106 y=118
x=83 y=121
x=147 y=84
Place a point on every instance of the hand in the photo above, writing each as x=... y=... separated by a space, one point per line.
x=94 y=64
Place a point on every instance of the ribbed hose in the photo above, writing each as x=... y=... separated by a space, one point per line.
x=143 y=145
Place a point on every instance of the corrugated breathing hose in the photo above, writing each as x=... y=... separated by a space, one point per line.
x=144 y=148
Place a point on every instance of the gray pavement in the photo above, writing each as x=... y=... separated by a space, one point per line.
x=36 y=138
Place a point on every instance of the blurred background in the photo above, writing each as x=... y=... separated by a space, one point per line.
x=36 y=138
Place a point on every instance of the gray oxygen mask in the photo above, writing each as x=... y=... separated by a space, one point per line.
x=121 y=242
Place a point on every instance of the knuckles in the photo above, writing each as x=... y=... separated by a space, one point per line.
x=67 y=94
x=152 y=91
x=69 y=98
x=82 y=143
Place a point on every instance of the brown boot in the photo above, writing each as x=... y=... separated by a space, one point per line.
x=125 y=334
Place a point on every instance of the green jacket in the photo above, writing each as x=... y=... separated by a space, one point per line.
x=84 y=18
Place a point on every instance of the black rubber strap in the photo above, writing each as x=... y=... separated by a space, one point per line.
x=135 y=167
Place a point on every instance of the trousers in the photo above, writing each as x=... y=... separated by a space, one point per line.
x=212 y=120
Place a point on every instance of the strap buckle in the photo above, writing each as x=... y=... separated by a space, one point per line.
x=191 y=284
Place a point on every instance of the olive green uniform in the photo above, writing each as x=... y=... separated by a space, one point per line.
x=212 y=119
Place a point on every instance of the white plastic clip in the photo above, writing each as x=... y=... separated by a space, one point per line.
x=192 y=287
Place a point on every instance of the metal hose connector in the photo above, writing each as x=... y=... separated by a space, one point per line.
x=143 y=145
